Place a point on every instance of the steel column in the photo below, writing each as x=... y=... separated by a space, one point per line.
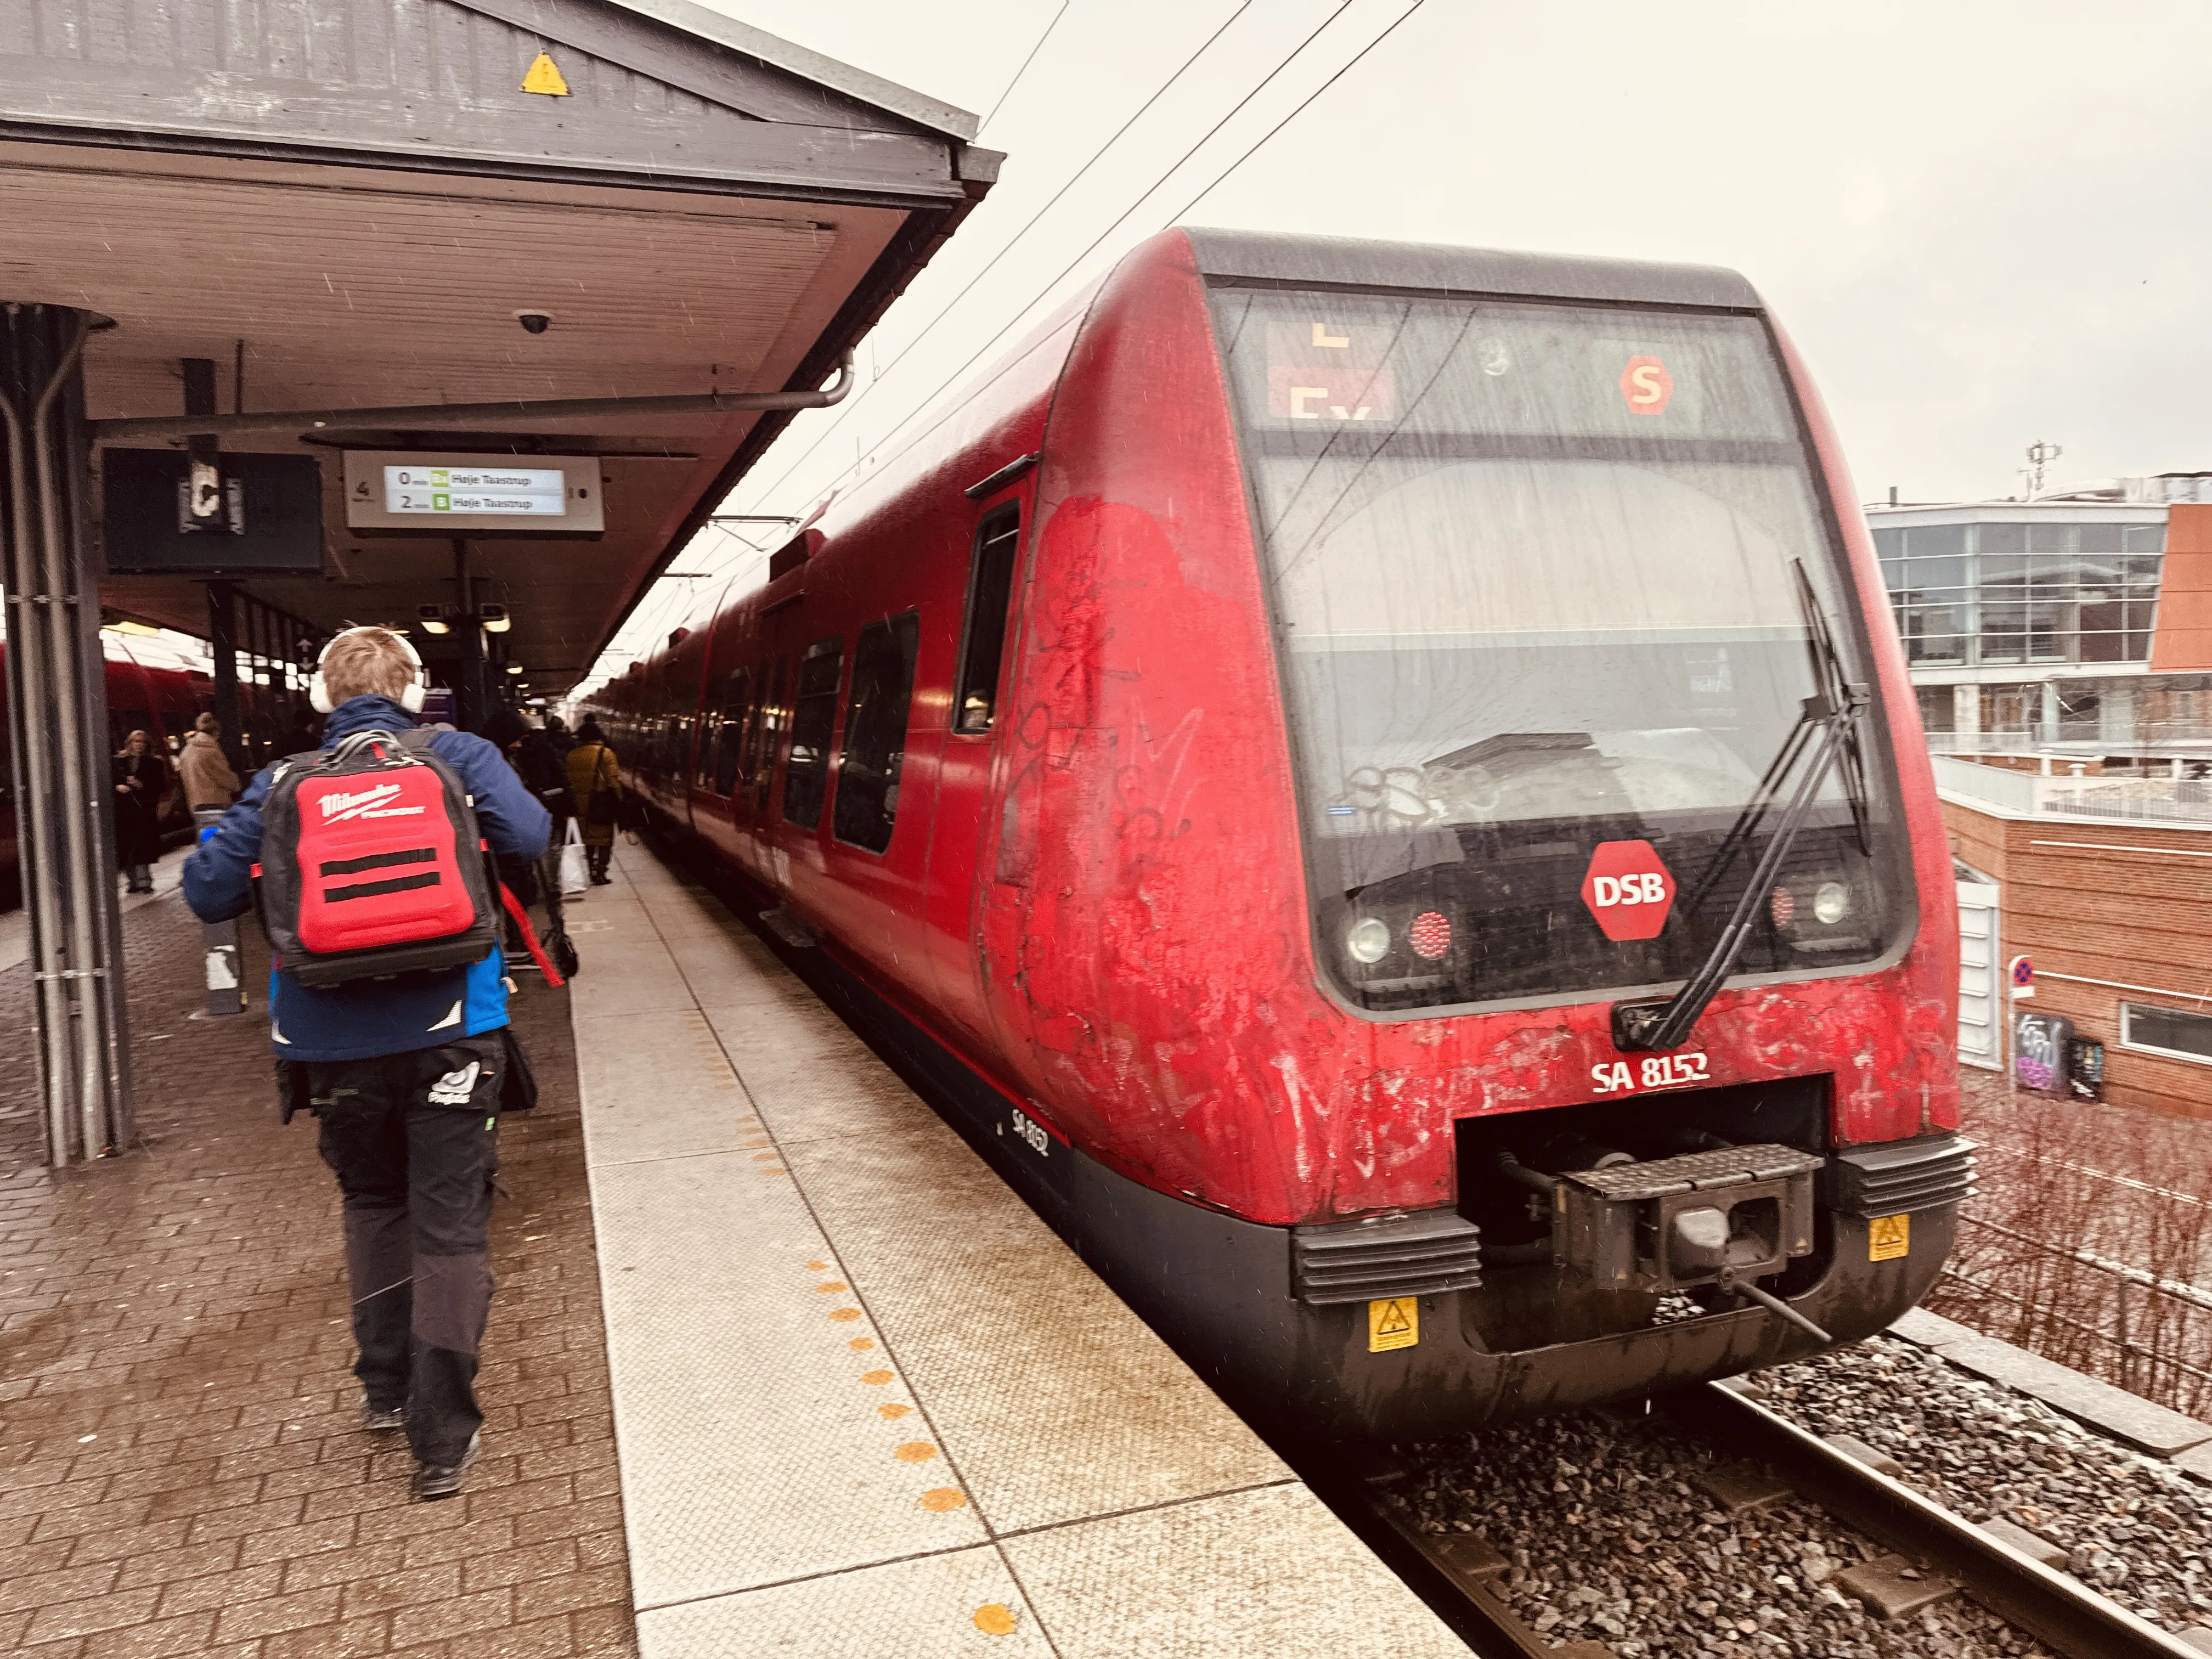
x=58 y=703
x=222 y=648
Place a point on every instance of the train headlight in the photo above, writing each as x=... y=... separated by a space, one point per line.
x=1368 y=940
x=1831 y=902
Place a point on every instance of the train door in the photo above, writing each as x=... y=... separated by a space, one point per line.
x=875 y=839
x=964 y=774
x=718 y=775
x=770 y=719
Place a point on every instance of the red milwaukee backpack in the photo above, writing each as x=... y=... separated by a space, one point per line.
x=371 y=864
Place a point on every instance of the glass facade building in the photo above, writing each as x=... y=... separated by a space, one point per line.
x=2038 y=594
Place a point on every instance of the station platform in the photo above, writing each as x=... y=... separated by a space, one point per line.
x=866 y=1403
x=776 y=1366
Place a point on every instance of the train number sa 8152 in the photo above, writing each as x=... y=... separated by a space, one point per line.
x=1621 y=1077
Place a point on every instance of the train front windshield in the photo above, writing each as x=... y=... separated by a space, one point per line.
x=1551 y=588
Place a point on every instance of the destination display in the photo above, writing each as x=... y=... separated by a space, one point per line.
x=446 y=494
x=514 y=492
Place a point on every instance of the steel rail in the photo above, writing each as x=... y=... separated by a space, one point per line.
x=2073 y=1619
x=1458 y=1574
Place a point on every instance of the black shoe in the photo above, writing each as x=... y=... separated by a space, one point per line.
x=436 y=1480
x=378 y=1419
x=603 y=881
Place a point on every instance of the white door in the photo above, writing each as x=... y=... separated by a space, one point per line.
x=1981 y=976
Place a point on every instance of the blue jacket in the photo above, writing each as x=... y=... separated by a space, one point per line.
x=368 y=1017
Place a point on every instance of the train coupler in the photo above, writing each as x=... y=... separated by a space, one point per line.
x=1727 y=1218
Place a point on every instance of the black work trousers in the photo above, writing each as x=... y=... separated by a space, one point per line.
x=414 y=1139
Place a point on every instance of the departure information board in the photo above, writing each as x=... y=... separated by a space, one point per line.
x=445 y=495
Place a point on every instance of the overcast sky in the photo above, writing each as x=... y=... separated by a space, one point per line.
x=1983 y=224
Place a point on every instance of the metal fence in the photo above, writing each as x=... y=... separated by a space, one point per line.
x=2117 y=800
x=2070 y=1305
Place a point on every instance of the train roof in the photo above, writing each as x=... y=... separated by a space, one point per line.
x=1265 y=256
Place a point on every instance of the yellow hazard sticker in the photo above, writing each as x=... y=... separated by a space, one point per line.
x=1392 y=1322
x=544 y=77
x=1889 y=1236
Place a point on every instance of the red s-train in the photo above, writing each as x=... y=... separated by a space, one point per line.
x=1380 y=779
x=155 y=691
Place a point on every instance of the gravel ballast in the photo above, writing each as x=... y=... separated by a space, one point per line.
x=2133 y=1527
x=1611 y=1540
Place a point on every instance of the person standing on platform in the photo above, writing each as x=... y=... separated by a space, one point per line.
x=407 y=1075
x=595 y=782
x=558 y=734
x=141 y=778
x=539 y=767
x=203 y=767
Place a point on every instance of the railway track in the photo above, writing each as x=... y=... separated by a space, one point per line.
x=1462 y=1575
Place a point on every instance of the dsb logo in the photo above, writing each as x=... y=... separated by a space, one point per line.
x=1650 y=888
x=1629 y=890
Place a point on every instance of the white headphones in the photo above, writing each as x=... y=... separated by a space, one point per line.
x=318 y=694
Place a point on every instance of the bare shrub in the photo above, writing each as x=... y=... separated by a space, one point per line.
x=2089 y=1241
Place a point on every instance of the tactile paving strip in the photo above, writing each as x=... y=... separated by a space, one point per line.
x=858 y=1384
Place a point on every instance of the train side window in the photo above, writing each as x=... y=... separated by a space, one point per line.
x=983 y=640
x=730 y=740
x=875 y=731
x=813 y=719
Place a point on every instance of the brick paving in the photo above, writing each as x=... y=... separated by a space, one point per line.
x=181 y=1469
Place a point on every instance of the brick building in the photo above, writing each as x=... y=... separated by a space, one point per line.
x=2105 y=883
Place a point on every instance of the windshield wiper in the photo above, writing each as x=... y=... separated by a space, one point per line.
x=1829 y=725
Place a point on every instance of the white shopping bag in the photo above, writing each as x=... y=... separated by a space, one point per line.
x=576 y=870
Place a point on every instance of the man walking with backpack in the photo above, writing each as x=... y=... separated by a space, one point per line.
x=387 y=1007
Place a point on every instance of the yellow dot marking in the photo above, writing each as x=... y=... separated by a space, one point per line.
x=774 y=1168
x=938 y=1499
x=817 y=1267
x=844 y=1313
x=877 y=1376
x=892 y=1413
x=915 y=1451
x=995 y=1618
x=769 y=1157
x=861 y=1344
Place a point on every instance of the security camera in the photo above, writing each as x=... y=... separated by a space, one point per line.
x=534 y=322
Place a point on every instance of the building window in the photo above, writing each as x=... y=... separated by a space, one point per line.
x=2028 y=594
x=2172 y=1032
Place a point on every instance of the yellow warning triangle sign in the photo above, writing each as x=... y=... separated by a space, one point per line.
x=545 y=76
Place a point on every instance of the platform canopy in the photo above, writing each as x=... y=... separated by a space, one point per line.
x=344 y=203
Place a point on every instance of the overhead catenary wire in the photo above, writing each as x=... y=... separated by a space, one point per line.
x=1024 y=68
x=1028 y=225
x=928 y=400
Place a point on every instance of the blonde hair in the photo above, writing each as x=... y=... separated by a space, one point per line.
x=208 y=724
x=124 y=753
x=367 y=662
